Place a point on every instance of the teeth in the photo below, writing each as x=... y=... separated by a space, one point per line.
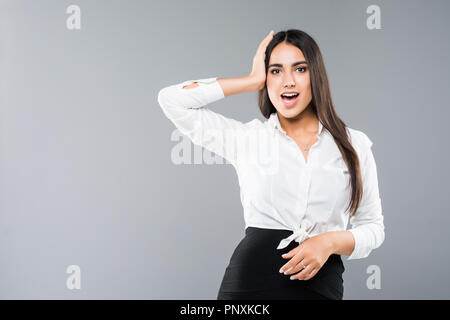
x=289 y=94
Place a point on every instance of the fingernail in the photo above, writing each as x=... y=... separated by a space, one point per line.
x=281 y=270
x=292 y=278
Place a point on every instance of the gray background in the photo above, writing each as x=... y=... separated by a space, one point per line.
x=86 y=174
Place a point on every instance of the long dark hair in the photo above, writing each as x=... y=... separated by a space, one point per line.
x=321 y=104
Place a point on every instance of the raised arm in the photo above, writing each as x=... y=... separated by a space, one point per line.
x=184 y=104
x=231 y=86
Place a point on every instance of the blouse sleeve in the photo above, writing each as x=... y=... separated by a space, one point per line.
x=185 y=107
x=367 y=223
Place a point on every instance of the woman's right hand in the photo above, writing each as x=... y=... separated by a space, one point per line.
x=259 y=69
x=257 y=78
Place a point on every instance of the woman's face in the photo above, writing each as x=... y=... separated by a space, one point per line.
x=288 y=75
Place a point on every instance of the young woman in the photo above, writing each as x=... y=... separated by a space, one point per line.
x=298 y=197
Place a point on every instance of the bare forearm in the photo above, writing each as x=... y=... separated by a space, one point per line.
x=231 y=86
x=341 y=242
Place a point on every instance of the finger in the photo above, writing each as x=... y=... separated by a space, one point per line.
x=304 y=273
x=268 y=37
x=266 y=41
x=290 y=254
x=305 y=266
x=295 y=260
x=296 y=268
x=311 y=271
x=293 y=252
x=291 y=264
x=263 y=44
x=311 y=274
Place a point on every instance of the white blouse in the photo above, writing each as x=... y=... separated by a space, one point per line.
x=278 y=188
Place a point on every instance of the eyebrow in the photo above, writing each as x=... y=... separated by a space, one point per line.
x=281 y=66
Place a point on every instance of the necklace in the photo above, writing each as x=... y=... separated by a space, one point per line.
x=305 y=146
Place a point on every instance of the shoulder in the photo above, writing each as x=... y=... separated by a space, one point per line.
x=255 y=128
x=256 y=124
x=359 y=139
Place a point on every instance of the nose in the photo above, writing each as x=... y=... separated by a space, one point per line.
x=288 y=79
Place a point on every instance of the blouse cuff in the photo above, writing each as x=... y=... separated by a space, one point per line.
x=358 y=251
x=210 y=88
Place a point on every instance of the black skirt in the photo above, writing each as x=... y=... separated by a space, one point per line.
x=253 y=271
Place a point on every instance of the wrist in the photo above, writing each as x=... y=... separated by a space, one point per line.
x=330 y=241
x=256 y=84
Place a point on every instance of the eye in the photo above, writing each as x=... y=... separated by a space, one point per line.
x=304 y=70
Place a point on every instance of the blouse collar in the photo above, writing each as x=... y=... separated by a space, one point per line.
x=274 y=122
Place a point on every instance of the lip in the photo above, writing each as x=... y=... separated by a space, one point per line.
x=290 y=103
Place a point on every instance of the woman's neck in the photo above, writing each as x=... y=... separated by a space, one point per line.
x=305 y=123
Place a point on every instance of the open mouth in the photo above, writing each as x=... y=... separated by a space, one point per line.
x=289 y=99
x=289 y=96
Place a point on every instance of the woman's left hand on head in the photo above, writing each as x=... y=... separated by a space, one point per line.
x=312 y=252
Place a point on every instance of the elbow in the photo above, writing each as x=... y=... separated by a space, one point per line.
x=167 y=103
x=162 y=98
x=174 y=101
x=378 y=236
x=367 y=238
x=375 y=231
x=375 y=236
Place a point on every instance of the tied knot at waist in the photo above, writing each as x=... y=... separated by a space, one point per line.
x=300 y=234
